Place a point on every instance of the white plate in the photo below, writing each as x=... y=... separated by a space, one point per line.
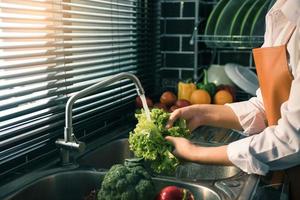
x=243 y=77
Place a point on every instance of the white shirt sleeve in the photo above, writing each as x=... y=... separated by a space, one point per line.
x=251 y=114
x=277 y=147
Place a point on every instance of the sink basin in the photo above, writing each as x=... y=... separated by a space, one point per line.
x=77 y=184
x=118 y=150
x=109 y=154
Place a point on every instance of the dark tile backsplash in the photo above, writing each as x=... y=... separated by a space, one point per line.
x=170 y=9
x=186 y=46
x=177 y=25
x=188 y=9
x=162 y=26
x=179 y=60
x=182 y=26
x=169 y=43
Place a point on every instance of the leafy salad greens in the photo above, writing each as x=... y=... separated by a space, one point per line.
x=147 y=140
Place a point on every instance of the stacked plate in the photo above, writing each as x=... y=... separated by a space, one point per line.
x=236 y=18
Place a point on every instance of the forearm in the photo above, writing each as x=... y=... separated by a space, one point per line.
x=185 y=149
x=210 y=155
x=220 y=116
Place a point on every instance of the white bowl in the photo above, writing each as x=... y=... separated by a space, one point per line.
x=217 y=75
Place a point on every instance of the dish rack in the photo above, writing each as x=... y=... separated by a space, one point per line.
x=233 y=42
x=218 y=45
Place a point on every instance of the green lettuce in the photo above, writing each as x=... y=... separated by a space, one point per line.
x=147 y=140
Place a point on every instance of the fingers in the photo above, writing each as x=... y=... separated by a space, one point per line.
x=170 y=139
x=173 y=117
x=192 y=125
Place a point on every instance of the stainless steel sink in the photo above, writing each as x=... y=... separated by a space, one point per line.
x=77 y=184
x=107 y=155
x=118 y=150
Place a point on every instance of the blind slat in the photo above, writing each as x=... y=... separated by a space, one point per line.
x=43 y=27
x=70 y=35
x=82 y=114
x=66 y=58
x=51 y=92
x=44 y=44
x=63 y=51
x=50 y=50
x=23 y=73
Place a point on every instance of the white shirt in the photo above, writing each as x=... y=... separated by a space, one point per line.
x=274 y=147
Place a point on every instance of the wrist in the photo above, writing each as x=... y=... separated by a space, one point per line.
x=208 y=114
x=198 y=154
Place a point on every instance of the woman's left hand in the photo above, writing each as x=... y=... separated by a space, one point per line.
x=205 y=155
x=183 y=148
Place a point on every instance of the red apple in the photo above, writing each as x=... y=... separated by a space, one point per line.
x=174 y=193
x=173 y=108
x=168 y=98
x=180 y=103
x=161 y=106
x=139 y=104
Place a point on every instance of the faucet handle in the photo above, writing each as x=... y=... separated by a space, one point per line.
x=74 y=145
x=81 y=145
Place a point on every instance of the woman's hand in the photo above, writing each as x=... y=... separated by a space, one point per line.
x=186 y=150
x=206 y=114
x=192 y=114
x=183 y=148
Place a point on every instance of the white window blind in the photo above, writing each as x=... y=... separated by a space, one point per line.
x=50 y=49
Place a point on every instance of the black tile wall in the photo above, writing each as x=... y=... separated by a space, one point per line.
x=230 y=57
x=188 y=9
x=186 y=46
x=177 y=25
x=179 y=60
x=170 y=9
x=169 y=43
x=206 y=58
x=182 y=26
x=187 y=75
x=169 y=73
x=162 y=26
x=205 y=10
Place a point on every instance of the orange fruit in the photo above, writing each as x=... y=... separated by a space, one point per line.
x=222 y=97
x=200 y=97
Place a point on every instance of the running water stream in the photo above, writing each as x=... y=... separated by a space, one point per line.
x=145 y=106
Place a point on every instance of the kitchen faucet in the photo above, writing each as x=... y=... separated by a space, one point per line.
x=70 y=142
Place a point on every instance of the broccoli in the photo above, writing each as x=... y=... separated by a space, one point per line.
x=127 y=182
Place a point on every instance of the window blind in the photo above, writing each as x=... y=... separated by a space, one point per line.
x=51 y=49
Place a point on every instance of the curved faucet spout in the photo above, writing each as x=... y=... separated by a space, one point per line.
x=94 y=88
x=70 y=141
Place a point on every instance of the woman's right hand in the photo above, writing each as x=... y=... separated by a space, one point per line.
x=192 y=114
x=206 y=114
